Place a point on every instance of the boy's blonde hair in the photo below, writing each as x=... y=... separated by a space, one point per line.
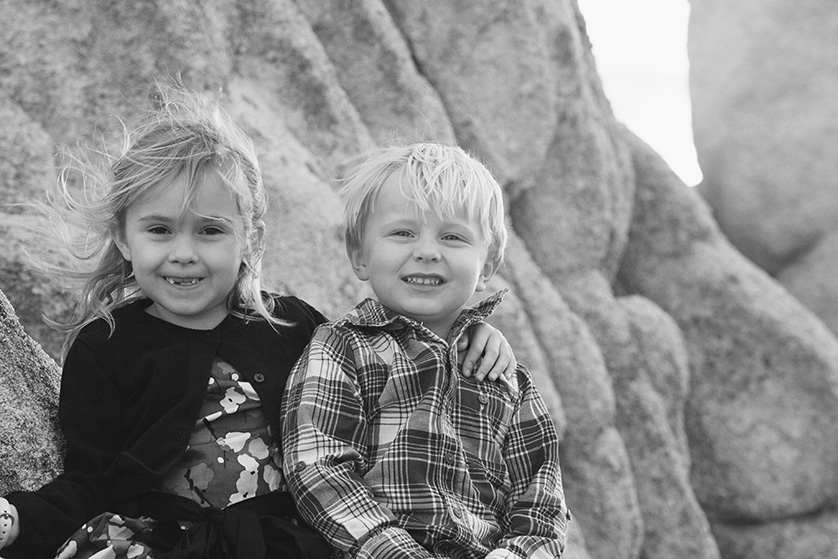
x=188 y=134
x=435 y=177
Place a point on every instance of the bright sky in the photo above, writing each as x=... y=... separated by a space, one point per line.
x=641 y=55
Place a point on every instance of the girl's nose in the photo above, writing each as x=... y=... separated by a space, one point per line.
x=426 y=251
x=183 y=250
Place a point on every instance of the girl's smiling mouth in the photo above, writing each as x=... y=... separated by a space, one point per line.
x=183 y=282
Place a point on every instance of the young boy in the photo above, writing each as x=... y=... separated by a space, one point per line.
x=389 y=452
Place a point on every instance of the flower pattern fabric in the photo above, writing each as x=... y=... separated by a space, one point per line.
x=231 y=446
x=110 y=536
x=231 y=456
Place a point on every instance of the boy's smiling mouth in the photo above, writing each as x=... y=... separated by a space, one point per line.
x=182 y=282
x=423 y=280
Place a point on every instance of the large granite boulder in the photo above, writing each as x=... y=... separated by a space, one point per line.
x=763 y=75
x=30 y=443
x=689 y=388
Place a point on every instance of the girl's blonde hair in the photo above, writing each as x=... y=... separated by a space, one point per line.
x=187 y=134
x=435 y=177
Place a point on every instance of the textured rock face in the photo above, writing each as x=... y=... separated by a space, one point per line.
x=763 y=76
x=762 y=368
x=688 y=387
x=30 y=446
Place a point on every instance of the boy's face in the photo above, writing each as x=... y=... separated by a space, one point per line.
x=421 y=265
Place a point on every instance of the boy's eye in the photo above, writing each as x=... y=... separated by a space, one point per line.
x=402 y=233
x=453 y=237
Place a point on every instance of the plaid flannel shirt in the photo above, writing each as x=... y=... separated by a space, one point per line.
x=390 y=455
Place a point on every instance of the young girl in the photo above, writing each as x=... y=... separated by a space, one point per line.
x=176 y=361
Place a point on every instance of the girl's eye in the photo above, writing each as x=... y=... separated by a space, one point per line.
x=212 y=230
x=158 y=230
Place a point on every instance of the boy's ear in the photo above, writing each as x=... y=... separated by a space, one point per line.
x=487 y=273
x=359 y=263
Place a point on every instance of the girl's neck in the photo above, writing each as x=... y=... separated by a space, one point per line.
x=208 y=322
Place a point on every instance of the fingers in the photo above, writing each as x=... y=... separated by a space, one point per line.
x=475 y=340
x=498 y=360
x=484 y=352
x=462 y=346
x=487 y=365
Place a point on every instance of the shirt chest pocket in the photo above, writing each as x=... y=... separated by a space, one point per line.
x=483 y=418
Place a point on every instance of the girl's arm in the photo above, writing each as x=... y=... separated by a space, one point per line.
x=89 y=417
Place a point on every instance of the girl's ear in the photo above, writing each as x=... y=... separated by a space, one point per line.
x=359 y=263
x=119 y=241
x=257 y=245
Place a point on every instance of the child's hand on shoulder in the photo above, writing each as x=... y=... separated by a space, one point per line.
x=484 y=352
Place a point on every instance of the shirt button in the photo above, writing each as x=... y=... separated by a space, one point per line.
x=259 y=377
x=483 y=398
x=299 y=466
x=449 y=458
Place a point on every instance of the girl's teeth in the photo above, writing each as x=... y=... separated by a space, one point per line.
x=174 y=281
x=424 y=281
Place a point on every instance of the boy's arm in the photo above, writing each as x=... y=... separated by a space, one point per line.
x=324 y=438
x=536 y=514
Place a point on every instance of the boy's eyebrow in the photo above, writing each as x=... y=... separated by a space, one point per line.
x=397 y=221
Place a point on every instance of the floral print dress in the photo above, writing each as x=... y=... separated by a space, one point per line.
x=231 y=457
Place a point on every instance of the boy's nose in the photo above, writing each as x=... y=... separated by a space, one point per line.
x=426 y=251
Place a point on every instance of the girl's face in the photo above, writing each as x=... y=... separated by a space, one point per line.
x=186 y=264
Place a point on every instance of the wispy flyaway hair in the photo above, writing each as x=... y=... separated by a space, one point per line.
x=437 y=177
x=188 y=135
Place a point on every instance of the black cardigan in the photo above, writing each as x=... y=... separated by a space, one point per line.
x=129 y=402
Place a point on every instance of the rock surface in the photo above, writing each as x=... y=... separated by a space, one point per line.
x=763 y=77
x=30 y=444
x=692 y=392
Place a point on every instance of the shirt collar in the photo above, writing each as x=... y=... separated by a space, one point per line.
x=371 y=313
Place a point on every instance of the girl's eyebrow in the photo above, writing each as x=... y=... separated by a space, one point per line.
x=156 y=218
x=216 y=219
x=204 y=219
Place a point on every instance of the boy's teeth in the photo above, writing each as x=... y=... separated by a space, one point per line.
x=424 y=281
x=190 y=281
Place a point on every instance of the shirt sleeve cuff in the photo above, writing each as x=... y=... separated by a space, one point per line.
x=392 y=543
x=501 y=554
